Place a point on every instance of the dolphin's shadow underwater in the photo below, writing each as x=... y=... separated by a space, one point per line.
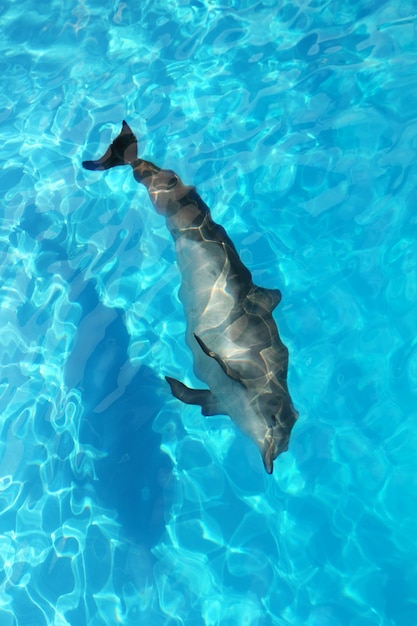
x=234 y=339
x=133 y=475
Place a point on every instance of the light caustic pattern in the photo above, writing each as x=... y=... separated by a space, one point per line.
x=48 y=523
x=296 y=122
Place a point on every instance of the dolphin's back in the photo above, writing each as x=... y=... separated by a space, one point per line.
x=222 y=302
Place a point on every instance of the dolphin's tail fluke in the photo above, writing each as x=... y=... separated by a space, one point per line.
x=122 y=151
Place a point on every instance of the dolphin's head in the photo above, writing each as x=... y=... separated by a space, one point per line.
x=278 y=433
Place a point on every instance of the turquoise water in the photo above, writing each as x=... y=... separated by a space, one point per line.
x=297 y=122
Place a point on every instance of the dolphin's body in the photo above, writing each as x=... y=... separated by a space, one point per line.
x=230 y=329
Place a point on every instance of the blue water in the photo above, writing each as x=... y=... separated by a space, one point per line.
x=297 y=122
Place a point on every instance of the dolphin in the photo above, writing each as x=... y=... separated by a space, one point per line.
x=236 y=347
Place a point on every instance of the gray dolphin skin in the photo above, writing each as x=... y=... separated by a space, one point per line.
x=235 y=342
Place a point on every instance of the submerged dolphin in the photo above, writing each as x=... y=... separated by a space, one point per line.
x=230 y=329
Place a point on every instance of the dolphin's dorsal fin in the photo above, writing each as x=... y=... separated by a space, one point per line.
x=225 y=367
x=201 y=397
x=266 y=298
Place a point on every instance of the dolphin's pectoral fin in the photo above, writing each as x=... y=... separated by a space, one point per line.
x=122 y=151
x=201 y=397
x=225 y=367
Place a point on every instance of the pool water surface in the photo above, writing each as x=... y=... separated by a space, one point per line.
x=296 y=121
